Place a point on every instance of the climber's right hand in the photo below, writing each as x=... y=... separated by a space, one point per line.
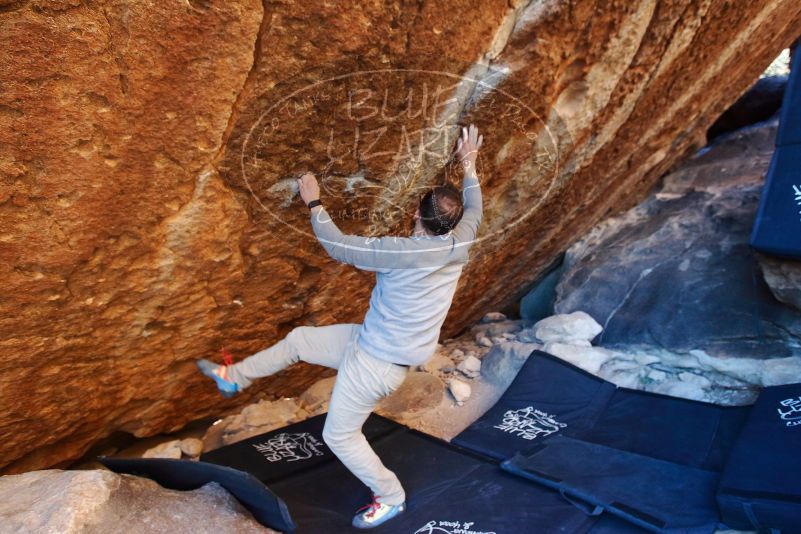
x=467 y=147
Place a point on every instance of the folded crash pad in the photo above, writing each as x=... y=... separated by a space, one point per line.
x=790 y=120
x=656 y=495
x=777 y=229
x=266 y=507
x=761 y=485
x=550 y=397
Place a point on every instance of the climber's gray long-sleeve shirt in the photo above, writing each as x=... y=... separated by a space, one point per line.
x=416 y=278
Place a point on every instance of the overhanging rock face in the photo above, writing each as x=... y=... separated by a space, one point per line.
x=147 y=151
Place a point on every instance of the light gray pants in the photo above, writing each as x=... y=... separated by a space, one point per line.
x=362 y=381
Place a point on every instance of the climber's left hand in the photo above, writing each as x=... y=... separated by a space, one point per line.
x=309 y=188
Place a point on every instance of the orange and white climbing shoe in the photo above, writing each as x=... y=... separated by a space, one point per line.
x=219 y=373
x=376 y=513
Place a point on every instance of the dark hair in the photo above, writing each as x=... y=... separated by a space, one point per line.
x=441 y=209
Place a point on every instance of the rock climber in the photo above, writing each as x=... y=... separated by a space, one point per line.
x=416 y=278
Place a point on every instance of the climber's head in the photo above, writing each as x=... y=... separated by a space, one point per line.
x=440 y=210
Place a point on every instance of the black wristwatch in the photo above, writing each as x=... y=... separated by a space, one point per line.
x=314 y=203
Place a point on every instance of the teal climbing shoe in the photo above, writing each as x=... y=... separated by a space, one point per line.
x=208 y=368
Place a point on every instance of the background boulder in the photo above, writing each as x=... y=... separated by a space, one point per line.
x=676 y=272
x=96 y=501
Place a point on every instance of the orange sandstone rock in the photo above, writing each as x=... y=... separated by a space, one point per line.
x=147 y=156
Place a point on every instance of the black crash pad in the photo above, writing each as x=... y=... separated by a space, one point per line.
x=550 y=397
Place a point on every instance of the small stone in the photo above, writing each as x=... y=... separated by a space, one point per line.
x=527 y=336
x=657 y=376
x=484 y=341
x=470 y=367
x=460 y=390
x=498 y=329
x=168 y=449
x=493 y=317
x=496 y=340
x=191 y=446
x=567 y=328
x=457 y=354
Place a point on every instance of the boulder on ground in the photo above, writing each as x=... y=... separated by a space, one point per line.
x=168 y=449
x=267 y=415
x=99 y=501
x=316 y=398
x=567 y=328
x=191 y=447
x=677 y=271
x=498 y=328
x=418 y=392
x=460 y=390
x=783 y=277
x=493 y=317
x=438 y=364
x=253 y=420
x=470 y=367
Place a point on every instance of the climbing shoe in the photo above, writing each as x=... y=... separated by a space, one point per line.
x=376 y=513
x=219 y=375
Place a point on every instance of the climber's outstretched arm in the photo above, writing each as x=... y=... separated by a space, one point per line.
x=367 y=253
x=467 y=152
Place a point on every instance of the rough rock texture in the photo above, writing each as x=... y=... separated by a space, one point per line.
x=677 y=271
x=783 y=277
x=253 y=420
x=575 y=326
x=685 y=309
x=470 y=367
x=418 y=392
x=146 y=209
x=176 y=449
x=96 y=501
x=759 y=103
x=460 y=390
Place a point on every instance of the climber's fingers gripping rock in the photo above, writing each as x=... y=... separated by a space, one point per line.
x=468 y=145
x=309 y=188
